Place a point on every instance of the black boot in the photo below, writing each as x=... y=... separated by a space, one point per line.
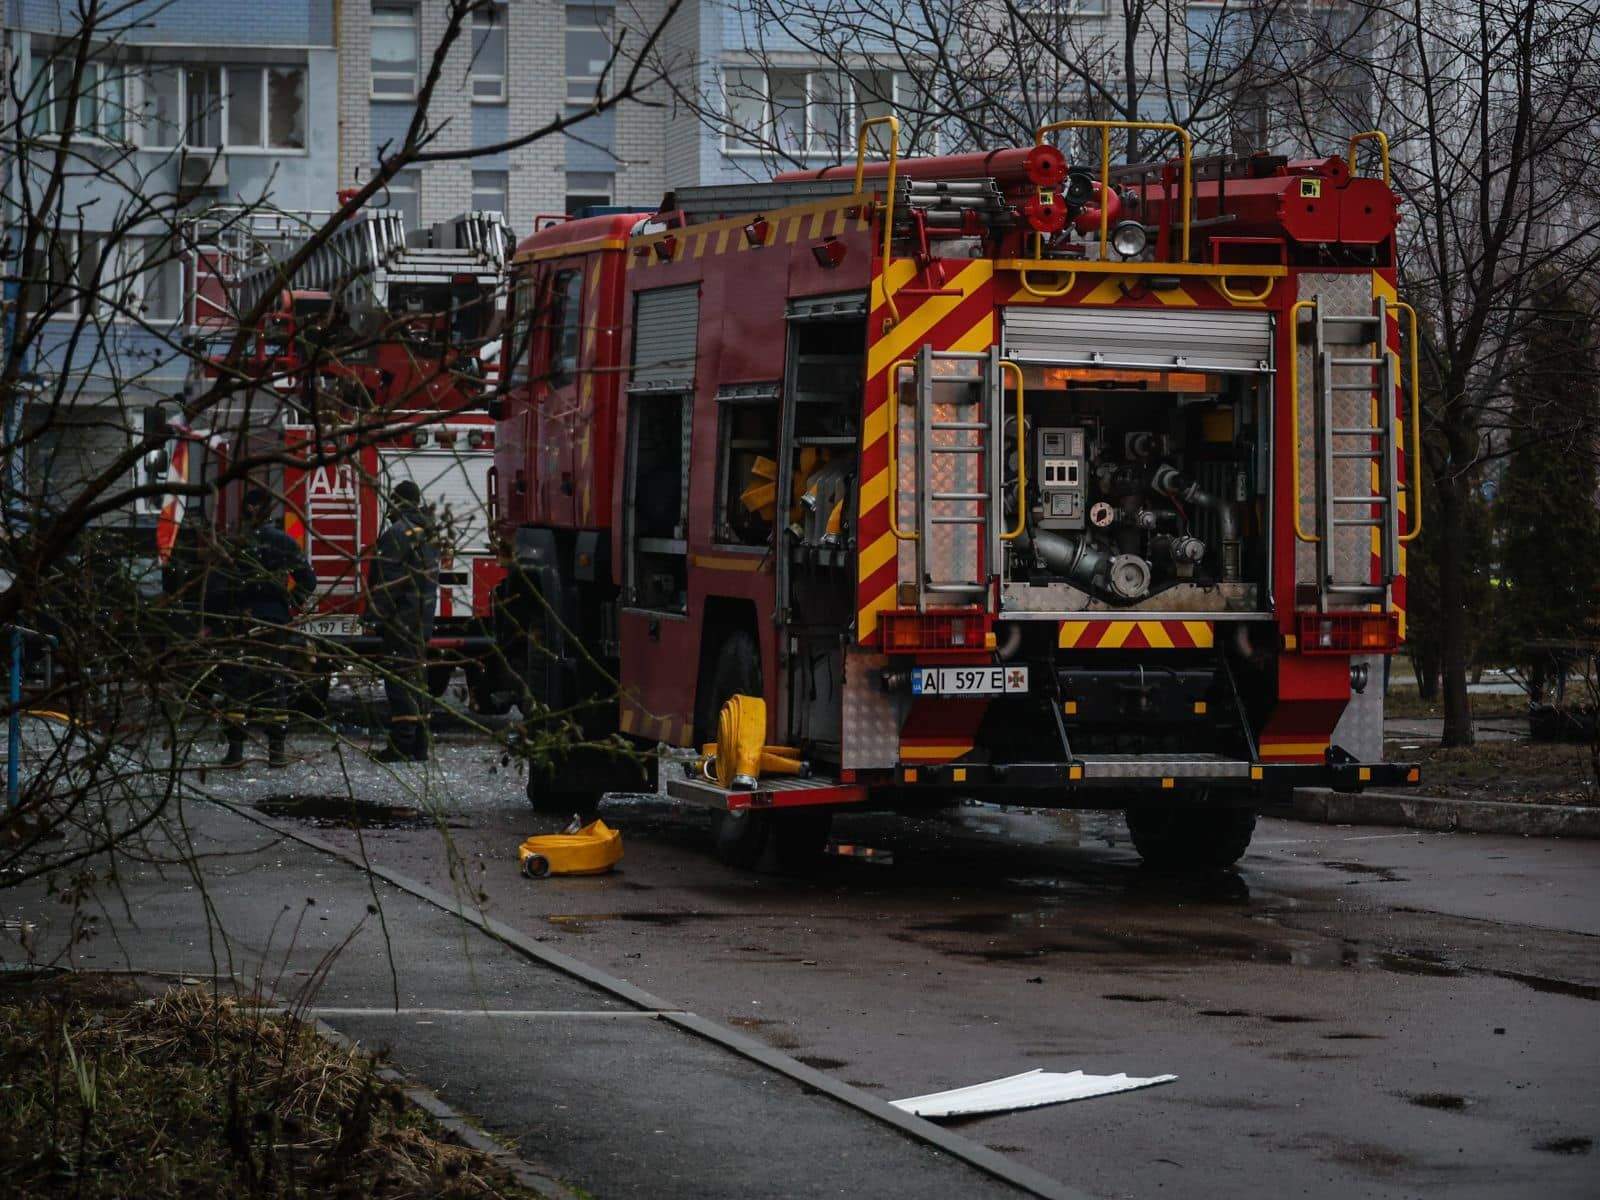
x=235 y=755
x=419 y=744
x=398 y=750
x=276 y=755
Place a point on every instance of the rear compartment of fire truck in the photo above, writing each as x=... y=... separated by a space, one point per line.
x=1135 y=519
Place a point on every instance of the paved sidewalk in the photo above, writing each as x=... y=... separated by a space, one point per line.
x=592 y=1090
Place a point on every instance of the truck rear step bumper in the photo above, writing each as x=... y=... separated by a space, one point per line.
x=1078 y=783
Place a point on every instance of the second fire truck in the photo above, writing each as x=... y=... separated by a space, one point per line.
x=987 y=475
x=368 y=369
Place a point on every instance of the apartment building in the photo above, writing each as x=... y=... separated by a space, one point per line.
x=182 y=105
x=518 y=65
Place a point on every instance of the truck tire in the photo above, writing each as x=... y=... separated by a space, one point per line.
x=1191 y=837
x=548 y=793
x=740 y=838
x=799 y=837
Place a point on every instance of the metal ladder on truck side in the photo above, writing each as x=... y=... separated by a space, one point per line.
x=1352 y=363
x=958 y=478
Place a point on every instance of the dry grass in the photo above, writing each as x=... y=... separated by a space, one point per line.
x=1403 y=701
x=105 y=1093
x=1519 y=772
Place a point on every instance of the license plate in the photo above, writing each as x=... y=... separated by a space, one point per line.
x=329 y=627
x=968 y=681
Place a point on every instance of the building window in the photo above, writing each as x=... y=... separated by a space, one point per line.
x=404 y=194
x=588 y=189
x=202 y=107
x=266 y=108
x=588 y=51
x=102 y=101
x=489 y=55
x=141 y=278
x=804 y=114
x=489 y=191
x=161 y=280
x=1063 y=8
x=258 y=108
x=394 y=51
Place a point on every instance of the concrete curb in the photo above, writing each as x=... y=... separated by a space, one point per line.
x=541 y=1184
x=1446 y=815
x=975 y=1154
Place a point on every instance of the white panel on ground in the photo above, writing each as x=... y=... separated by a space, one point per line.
x=1031 y=1089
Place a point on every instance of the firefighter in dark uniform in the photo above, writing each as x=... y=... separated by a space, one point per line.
x=258 y=580
x=403 y=591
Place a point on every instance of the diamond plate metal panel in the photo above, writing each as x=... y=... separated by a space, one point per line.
x=871 y=734
x=1172 y=766
x=1360 y=728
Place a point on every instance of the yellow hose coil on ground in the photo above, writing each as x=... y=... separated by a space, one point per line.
x=740 y=755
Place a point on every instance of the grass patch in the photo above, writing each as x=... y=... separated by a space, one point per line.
x=1403 y=701
x=1520 y=772
x=107 y=1093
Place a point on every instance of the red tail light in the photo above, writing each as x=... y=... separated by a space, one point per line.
x=1349 y=633
x=948 y=631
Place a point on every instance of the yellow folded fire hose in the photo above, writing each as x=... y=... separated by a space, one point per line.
x=592 y=850
x=740 y=755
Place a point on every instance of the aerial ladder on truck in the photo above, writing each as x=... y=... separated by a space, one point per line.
x=364 y=369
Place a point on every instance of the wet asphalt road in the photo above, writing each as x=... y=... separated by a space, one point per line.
x=1354 y=1012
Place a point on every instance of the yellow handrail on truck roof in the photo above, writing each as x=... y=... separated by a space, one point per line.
x=893 y=123
x=1185 y=195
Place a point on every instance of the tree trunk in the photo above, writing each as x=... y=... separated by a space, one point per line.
x=1455 y=642
x=1426 y=669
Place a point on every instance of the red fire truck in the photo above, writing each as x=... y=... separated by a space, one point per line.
x=402 y=320
x=991 y=475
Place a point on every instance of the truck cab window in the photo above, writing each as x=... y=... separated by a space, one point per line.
x=519 y=347
x=566 y=325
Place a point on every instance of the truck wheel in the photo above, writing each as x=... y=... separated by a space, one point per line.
x=736 y=671
x=1199 y=837
x=799 y=838
x=548 y=795
x=740 y=837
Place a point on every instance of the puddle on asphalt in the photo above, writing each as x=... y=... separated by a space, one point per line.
x=1063 y=930
x=1566 y=1145
x=1442 y=1101
x=1382 y=874
x=342 y=812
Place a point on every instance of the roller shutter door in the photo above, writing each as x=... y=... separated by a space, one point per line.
x=665 y=326
x=1196 y=341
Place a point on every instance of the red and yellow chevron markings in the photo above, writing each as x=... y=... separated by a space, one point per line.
x=1136 y=635
x=958 y=316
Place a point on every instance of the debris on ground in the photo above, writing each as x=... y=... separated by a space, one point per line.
x=1031 y=1089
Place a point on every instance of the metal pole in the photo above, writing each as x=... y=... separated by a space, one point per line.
x=14 y=732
